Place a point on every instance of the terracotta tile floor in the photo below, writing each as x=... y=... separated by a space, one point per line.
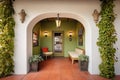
x=57 y=69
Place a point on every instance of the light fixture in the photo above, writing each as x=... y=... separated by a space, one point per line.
x=45 y=33
x=22 y=15
x=58 y=21
x=96 y=15
x=70 y=35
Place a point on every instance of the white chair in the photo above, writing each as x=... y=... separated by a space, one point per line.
x=46 y=53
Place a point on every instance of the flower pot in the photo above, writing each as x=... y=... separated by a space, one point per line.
x=83 y=65
x=34 y=66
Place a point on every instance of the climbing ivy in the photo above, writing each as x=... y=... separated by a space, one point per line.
x=107 y=38
x=7 y=24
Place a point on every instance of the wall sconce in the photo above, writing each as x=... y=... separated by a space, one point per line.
x=22 y=15
x=70 y=35
x=96 y=15
x=58 y=21
x=45 y=33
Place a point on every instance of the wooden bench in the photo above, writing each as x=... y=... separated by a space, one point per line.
x=75 y=54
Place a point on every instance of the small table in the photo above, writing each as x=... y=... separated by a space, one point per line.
x=48 y=54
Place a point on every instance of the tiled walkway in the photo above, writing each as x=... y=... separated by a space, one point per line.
x=57 y=69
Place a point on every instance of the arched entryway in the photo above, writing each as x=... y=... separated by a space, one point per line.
x=65 y=15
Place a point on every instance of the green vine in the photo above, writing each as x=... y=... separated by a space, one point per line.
x=107 y=38
x=7 y=24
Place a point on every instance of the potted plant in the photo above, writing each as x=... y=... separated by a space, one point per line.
x=34 y=60
x=83 y=62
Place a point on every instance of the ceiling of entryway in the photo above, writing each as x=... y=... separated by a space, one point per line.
x=63 y=19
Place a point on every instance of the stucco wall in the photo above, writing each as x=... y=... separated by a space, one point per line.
x=81 y=10
x=117 y=27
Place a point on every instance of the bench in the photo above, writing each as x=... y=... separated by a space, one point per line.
x=75 y=54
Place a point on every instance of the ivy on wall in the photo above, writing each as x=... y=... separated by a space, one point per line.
x=7 y=24
x=107 y=38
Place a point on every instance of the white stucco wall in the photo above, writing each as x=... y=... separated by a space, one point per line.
x=117 y=27
x=82 y=10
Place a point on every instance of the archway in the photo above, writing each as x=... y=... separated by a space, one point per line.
x=65 y=15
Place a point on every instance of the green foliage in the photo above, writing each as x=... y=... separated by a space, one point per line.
x=83 y=57
x=107 y=38
x=7 y=24
x=35 y=58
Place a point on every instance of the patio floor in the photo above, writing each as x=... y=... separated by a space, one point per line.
x=58 y=69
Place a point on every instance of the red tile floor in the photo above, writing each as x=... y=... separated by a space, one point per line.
x=58 y=69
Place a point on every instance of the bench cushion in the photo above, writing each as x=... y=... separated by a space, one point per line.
x=75 y=54
x=79 y=51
